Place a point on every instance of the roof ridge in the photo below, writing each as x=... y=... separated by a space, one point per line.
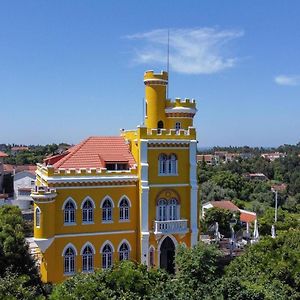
x=79 y=146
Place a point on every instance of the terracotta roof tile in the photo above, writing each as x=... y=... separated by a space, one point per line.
x=224 y=204
x=247 y=216
x=2 y=154
x=94 y=152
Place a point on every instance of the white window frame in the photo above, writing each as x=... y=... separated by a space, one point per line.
x=169 y=211
x=69 y=212
x=167 y=165
x=87 y=258
x=107 y=212
x=124 y=254
x=107 y=256
x=124 y=211
x=87 y=212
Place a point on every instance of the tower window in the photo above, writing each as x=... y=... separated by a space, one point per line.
x=167 y=210
x=160 y=125
x=167 y=164
x=177 y=126
x=37 y=217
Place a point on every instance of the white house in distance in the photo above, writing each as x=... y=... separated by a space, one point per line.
x=23 y=183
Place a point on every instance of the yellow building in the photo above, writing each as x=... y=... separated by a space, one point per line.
x=128 y=197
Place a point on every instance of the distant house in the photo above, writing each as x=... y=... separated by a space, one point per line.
x=207 y=158
x=273 y=156
x=15 y=150
x=23 y=177
x=2 y=155
x=246 y=155
x=256 y=176
x=245 y=215
x=279 y=187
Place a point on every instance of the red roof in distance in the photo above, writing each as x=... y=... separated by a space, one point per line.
x=2 y=154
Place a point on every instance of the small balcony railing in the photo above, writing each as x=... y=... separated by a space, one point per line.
x=170 y=226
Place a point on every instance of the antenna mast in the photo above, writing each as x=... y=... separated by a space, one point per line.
x=168 y=62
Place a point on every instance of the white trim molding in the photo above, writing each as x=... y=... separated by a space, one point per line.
x=94 y=233
x=86 y=199
x=126 y=242
x=88 y=244
x=69 y=245
x=107 y=242
x=121 y=198
x=67 y=200
x=109 y=198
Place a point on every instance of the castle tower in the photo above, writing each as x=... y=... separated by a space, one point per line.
x=155 y=97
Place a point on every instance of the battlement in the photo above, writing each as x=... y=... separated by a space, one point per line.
x=189 y=103
x=151 y=77
x=167 y=133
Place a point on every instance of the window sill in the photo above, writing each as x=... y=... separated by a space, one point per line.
x=124 y=221
x=69 y=274
x=88 y=223
x=169 y=174
x=107 y=222
x=88 y=272
x=70 y=224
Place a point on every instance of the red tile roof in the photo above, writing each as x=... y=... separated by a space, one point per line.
x=19 y=168
x=93 y=153
x=224 y=204
x=247 y=216
x=21 y=148
x=2 y=154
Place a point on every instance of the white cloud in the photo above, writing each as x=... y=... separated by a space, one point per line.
x=192 y=51
x=291 y=80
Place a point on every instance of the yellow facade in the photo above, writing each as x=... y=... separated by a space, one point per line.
x=160 y=192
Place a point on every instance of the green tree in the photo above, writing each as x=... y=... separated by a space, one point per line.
x=267 y=270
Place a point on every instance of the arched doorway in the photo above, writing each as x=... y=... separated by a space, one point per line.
x=167 y=255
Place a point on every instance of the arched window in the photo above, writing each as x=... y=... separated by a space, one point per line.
x=177 y=126
x=107 y=253
x=162 y=163
x=87 y=259
x=160 y=124
x=107 y=210
x=124 y=251
x=69 y=261
x=167 y=210
x=87 y=212
x=172 y=164
x=162 y=210
x=151 y=256
x=172 y=206
x=37 y=217
x=124 y=209
x=69 y=212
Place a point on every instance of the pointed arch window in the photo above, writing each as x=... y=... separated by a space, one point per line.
x=69 y=261
x=167 y=164
x=87 y=211
x=87 y=259
x=69 y=212
x=107 y=254
x=124 y=209
x=124 y=252
x=177 y=126
x=107 y=210
x=37 y=217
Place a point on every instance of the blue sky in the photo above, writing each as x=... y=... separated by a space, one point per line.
x=71 y=69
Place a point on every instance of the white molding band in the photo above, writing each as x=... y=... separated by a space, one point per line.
x=94 y=187
x=194 y=193
x=169 y=185
x=93 y=233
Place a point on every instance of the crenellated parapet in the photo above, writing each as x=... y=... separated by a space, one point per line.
x=180 y=108
x=168 y=134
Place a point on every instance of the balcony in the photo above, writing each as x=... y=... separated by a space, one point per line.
x=170 y=226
